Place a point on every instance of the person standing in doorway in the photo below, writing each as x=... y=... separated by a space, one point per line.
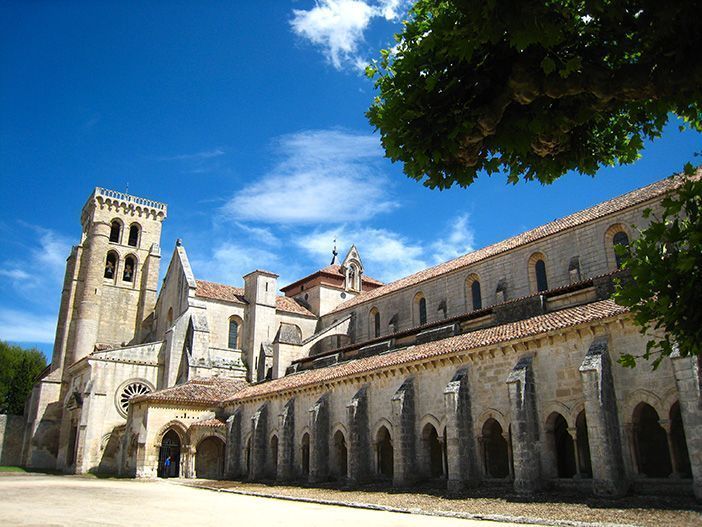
x=167 y=467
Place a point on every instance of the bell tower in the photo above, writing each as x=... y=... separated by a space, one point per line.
x=111 y=277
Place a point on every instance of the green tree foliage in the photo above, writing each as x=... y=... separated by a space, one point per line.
x=19 y=368
x=535 y=88
x=664 y=293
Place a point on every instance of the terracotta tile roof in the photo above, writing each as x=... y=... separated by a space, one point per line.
x=541 y=324
x=209 y=423
x=201 y=391
x=227 y=293
x=598 y=211
x=222 y=292
x=288 y=305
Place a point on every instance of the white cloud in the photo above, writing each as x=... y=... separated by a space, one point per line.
x=229 y=261
x=459 y=241
x=388 y=255
x=338 y=26
x=197 y=156
x=21 y=326
x=259 y=234
x=42 y=267
x=325 y=176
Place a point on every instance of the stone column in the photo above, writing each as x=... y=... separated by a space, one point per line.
x=319 y=440
x=359 y=447
x=574 y=436
x=286 y=442
x=688 y=379
x=234 y=446
x=259 y=438
x=525 y=427
x=461 y=452
x=608 y=476
x=404 y=426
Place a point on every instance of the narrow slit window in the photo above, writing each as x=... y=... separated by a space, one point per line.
x=476 y=296
x=540 y=270
x=422 y=311
x=622 y=239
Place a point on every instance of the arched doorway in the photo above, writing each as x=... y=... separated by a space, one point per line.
x=169 y=455
x=384 y=453
x=679 y=443
x=651 y=443
x=562 y=446
x=274 y=456
x=305 y=451
x=495 y=455
x=247 y=457
x=209 y=458
x=433 y=452
x=341 y=455
x=584 y=461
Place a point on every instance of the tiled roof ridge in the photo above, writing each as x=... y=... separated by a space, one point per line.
x=229 y=293
x=602 y=209
x=540 y=324
x=199 y=390
x=331 y=269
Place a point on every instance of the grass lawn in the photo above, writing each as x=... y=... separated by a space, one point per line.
x=12 y=469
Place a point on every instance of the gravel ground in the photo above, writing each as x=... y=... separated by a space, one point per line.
x=553 y=507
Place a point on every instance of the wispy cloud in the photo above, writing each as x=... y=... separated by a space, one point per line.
x=22 y=326
x=387 y=255
x=459 y=241
x=339 y=26
x=228 y=262
x=325 y=176
x=197 y=156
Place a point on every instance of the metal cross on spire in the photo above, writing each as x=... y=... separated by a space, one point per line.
x=334 y=261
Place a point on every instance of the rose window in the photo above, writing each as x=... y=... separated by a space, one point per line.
x=133 y=389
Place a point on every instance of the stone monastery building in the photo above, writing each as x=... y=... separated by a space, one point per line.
x=496 y=367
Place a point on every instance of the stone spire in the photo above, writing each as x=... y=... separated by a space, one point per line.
x=335 y=260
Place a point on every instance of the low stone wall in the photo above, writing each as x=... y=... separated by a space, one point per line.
x=11 y=431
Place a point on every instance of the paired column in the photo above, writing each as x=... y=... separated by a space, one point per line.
x=608 y=476
x=461 y=458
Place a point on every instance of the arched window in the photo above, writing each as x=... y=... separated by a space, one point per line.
x=129 y=269
x=111 y=265
x=620 y=238
x=133 y=235
x=615 y=235
x=374 y=323
x=115 y=231
x=420 y=308
x=537 y=273
x=234 y=333
x=540 y=270
x=476 y=298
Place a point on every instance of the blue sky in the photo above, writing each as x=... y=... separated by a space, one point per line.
x=247 y=118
